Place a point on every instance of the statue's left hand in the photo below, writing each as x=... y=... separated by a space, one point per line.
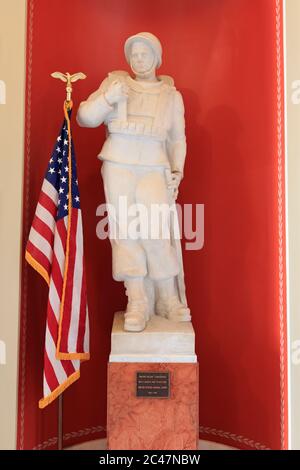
x=174 y=183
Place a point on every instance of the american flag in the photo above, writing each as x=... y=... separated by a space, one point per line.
x=55 y=250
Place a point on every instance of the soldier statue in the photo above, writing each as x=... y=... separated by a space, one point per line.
x=143 y=160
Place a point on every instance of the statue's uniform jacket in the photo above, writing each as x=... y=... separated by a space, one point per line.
x=145 y=135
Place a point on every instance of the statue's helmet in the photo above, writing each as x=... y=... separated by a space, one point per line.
x=151 y=41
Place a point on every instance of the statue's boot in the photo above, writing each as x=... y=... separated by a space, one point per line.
x=137 y=312
x=173 y=309
x=136 y=315
x=168 y=304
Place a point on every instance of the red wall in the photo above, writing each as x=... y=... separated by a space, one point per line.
x=226 y=60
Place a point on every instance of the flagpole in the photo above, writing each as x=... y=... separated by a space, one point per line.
x=60 y=437
x=68 y=79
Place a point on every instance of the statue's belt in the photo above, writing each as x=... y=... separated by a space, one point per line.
x=137 y=128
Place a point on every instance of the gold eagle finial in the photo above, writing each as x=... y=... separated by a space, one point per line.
x=69 y=79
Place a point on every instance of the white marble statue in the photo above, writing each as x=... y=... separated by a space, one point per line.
x=143 y=160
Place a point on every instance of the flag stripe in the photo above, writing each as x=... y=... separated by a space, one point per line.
x=69 y=284
x=46 y=386
x=51 y=350
x=50 y=190
x=54 y=299
x=38 y=240
x=42 y=229
x=52 y=322
x=49 y=372
x=69 y=367
x=39 y=256
x=47 y=203
x=52 y=325
x=82 y=315
x=45 y=216
x=60 y=245
x=77 y=290
x=57 y=276
x=86 y=333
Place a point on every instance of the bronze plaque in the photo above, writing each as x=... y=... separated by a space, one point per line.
x=153 y=384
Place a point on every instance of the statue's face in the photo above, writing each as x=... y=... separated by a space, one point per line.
x=142 y=58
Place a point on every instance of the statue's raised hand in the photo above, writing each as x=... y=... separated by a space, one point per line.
x=117 y=91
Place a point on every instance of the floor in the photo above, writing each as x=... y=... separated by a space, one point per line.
x=100 y=444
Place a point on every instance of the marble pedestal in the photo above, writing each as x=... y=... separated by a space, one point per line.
x=148 y=423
